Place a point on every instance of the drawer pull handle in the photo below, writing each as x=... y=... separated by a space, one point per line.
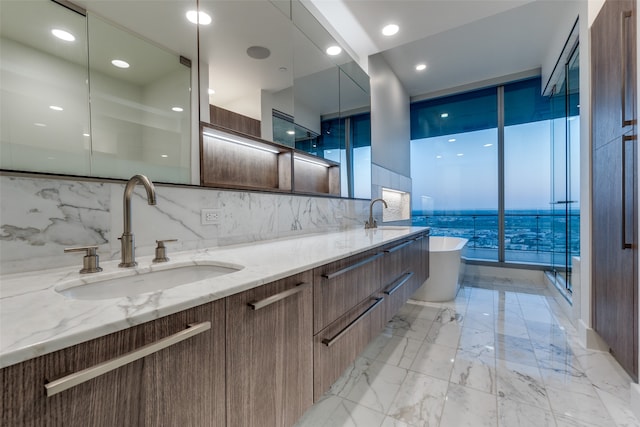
x=77 y=378
x=257 y=305
x=330 y=341
x=397 y=248
x=399 y=283
x=352 y=267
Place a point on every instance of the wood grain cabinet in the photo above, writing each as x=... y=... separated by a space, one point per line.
x=182 y=384
x=405 y=268
x=341 y=285
x=269 y=353
x=614 y=180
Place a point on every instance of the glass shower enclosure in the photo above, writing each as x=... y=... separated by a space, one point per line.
x=565 y=171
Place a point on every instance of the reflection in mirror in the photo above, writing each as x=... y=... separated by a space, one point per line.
x=247 y=54
x=140 y=106
x=44 y=99
x=139 y=117
x=339 y=97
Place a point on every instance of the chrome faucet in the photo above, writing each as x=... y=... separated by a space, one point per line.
x=126 y=240
x=372 y=222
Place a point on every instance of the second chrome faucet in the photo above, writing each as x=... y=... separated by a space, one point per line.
x=127 y=241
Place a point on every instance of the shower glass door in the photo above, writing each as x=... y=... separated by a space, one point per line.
x=565 y=173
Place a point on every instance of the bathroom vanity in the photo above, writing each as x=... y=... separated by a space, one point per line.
x=255 y=347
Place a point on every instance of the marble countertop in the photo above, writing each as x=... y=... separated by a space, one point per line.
x=35 y=319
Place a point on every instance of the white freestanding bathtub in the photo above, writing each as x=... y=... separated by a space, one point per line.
x=444 y=268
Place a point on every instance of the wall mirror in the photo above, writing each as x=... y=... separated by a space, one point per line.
x=280 y=85
x=264 y=60
x=68 y=108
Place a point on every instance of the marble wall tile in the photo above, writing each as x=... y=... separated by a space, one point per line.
x=39 y=217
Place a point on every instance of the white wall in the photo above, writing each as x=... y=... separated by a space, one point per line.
x=390 y=128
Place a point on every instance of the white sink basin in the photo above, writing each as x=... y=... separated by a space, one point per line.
x=132 y=285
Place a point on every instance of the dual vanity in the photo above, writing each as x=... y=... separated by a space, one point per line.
x=246 y=335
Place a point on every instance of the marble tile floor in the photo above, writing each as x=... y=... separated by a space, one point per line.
x=501 y=354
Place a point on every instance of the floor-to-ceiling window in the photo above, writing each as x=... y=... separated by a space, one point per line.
x=481 y=165
x=454 y=168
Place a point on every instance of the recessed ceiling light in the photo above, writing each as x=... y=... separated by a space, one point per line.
x=196 y=17
x=120 y=63
x=291 y=132
x=460 y=154
x=85 y=134
x=56 y=108
x=452 y=140
x=164 y=155
x=487 y=145
x=438 y=157
x=421 y=67
x=177 y=109
x=63 y=35
x=390 y=29
x=211 y=91
x=40 y=125
x=334 y=50
x=444 y=115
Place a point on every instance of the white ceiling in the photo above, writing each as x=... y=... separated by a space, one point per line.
x=461 y=41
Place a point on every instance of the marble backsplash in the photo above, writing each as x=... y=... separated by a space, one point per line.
x=39 y=217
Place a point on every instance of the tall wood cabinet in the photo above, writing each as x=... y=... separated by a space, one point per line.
x=614 y=180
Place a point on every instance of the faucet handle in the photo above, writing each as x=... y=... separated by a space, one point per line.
x=161 y=250
x=91 y=261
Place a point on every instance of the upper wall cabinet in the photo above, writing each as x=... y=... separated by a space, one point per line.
x=83 y=96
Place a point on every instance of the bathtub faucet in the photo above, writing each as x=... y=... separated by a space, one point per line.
x=372 y=222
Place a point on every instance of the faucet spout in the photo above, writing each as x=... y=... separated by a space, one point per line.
x=372 y=222
x=128 y=258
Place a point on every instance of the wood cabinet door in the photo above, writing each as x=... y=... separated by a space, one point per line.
x=340 y=343
x=180 y=385
x=613 y=39
x=112 y=399
x=614 y=181
x=341 y=285
x=184 y=385
x=614 y=267
x=270 y=353
x=401 y=274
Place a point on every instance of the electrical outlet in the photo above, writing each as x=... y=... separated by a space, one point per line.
x=210 y=216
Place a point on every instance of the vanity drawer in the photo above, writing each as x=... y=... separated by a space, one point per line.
x=340 y=343
x=341 y=285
